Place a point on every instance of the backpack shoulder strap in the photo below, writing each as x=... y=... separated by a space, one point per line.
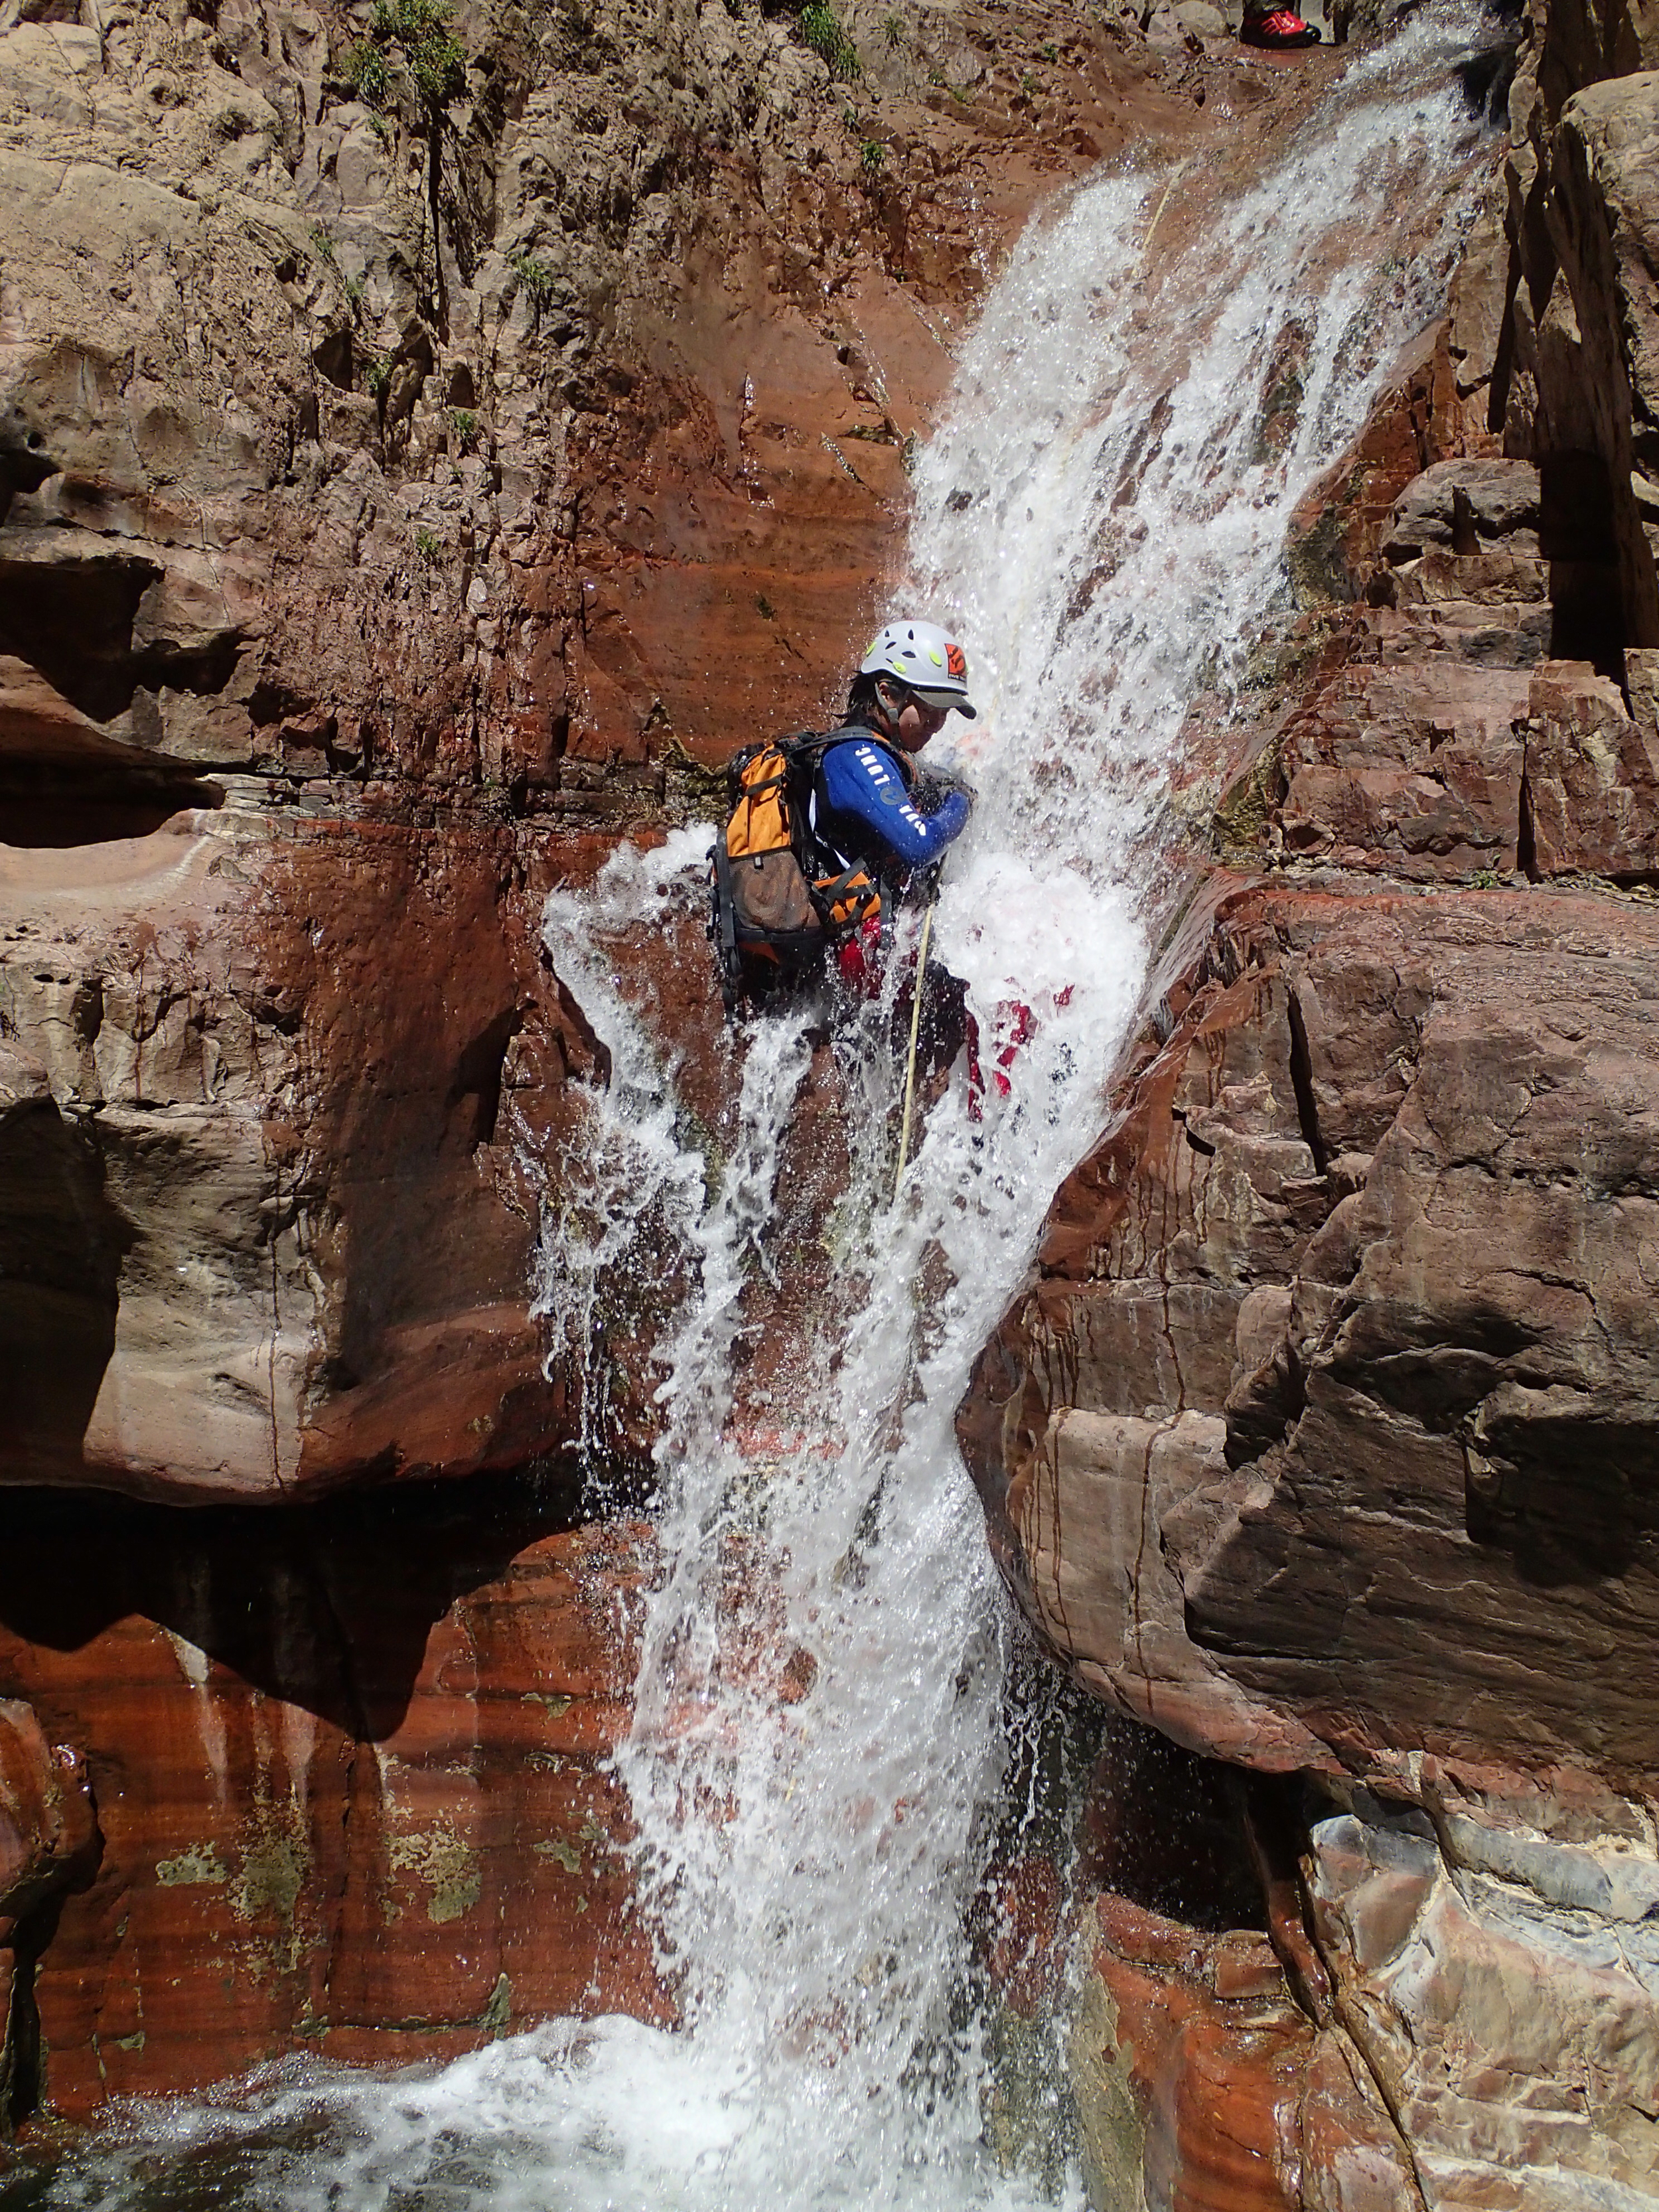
x=864 y=735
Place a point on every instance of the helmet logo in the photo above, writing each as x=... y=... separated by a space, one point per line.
x=956 y=661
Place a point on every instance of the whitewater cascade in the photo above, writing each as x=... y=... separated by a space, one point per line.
x=1102 y=519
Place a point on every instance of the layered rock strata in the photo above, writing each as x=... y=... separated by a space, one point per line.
x=421 y=449
x=1323 y=1438
x=408 y=460
x=264 y=1228
x=350 y=1773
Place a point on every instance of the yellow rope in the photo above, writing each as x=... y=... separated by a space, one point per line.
x=1174 y=177
x=910 y=1070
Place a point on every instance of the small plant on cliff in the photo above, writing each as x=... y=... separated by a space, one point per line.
x=351 y=285
x=937 y=76
x=367 y=74
x=821 y=28
x=464 y=428
x=893 y=30
x=871 y=155
x=377 y=376
x=436 y=58
x=426 y=546
x=536 y=280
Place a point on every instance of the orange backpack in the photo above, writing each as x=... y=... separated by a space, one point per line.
x=774 y=912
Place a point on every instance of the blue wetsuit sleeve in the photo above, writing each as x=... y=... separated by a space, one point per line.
x=859 y=780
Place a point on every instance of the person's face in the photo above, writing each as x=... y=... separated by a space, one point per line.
x=912 y=721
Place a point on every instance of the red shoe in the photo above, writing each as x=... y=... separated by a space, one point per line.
x=1015 y=1027
x=1281 y=29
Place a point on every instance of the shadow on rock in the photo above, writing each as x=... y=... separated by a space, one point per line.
x=62 y=1243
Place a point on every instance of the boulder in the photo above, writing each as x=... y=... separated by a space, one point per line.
x=1464 y=506
x=1592 y=772
x=1396 y=1174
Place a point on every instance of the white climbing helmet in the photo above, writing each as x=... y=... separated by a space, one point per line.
x=926 y=661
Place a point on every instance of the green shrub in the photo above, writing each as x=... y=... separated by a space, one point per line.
x=436 y=58
x=366 y=73
x=463 y=427
x=535 y=278
x=893 y=30
x=871 y=155
x=821 y=28
x=377 y=376
x=427 y=545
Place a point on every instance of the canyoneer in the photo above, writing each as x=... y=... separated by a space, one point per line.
x=830 y=832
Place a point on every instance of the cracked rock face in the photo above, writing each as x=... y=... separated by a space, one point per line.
x=1324 y=1439
x=1343 y=1354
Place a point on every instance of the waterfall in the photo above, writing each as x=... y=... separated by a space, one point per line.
x=821 y=1730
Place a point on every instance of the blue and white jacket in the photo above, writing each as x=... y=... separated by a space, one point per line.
x=864 y=810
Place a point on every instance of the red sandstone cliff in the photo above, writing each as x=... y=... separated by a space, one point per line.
x=401 y=489
x=388 y=492
x=382 y=494
x=1324 y=1439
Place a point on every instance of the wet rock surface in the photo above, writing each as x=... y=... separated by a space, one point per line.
x=49 y=1843
x=415 y=465
x=348 y=1763
x=1323 y=1439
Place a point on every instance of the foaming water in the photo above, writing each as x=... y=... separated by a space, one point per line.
x=1115 y=546
x=821 y=1730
